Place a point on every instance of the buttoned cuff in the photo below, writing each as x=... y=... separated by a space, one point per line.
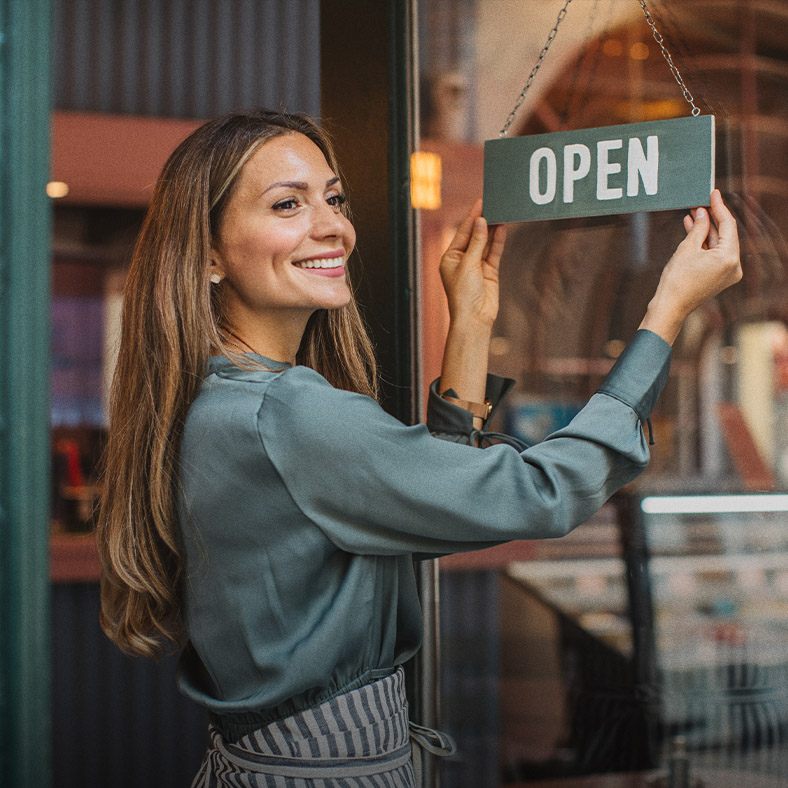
x=447 y=419
x=640 y=372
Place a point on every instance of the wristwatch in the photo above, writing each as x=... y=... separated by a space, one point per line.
x=479 y=409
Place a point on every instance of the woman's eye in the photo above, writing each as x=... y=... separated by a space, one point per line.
x=286 y=205
x=337 y=200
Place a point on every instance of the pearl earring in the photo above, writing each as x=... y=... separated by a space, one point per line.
x=215 y=279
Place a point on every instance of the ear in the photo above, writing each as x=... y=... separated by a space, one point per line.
x=217 y=268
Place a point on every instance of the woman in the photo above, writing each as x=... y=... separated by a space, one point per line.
x=263 y=511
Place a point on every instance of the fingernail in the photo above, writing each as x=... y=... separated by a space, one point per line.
x=479 y=223
x=700 y=213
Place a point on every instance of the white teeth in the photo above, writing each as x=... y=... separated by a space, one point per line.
x=328 y=262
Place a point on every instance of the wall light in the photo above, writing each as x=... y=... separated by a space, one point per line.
x=425 y=180
x=56 y=189
x=713 y=504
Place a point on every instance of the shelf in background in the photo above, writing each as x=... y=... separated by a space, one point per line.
x=73 y=558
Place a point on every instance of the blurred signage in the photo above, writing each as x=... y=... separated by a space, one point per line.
x=653 y=166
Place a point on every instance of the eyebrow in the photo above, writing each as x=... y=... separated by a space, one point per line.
x=299 y=185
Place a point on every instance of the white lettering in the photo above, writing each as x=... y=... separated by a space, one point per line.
x=606 y=168
x=644 y=165
x=546 y=196
x=580 y=153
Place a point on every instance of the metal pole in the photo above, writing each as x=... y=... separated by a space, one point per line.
x=428 y=671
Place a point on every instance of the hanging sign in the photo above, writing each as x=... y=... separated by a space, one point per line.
x=654 y=166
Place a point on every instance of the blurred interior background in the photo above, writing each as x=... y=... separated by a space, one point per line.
x=662 y=623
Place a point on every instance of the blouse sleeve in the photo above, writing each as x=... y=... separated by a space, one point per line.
x=376 y=486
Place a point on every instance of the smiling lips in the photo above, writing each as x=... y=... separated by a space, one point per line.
x=324 y=265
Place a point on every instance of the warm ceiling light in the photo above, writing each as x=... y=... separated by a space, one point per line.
x=425 y=180
x=57 y=189
x=639 y=51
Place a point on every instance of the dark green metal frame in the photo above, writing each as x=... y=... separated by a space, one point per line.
x=24 y=386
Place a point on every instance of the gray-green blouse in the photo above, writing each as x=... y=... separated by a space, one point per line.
x=302 y=507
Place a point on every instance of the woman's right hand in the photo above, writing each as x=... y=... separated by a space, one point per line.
x=705 y=263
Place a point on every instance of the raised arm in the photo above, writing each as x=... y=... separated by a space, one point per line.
x=704 y=264
x=469 y=271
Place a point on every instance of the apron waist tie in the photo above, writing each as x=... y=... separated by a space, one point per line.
x=424 y=739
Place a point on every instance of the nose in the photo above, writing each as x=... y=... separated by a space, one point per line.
x=328 y=222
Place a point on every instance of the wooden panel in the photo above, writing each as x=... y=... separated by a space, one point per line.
x=492 y=558
x=748 y=462
x=112 y=159
x=74 y=558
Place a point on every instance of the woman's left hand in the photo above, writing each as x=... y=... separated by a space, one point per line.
x=469 y=269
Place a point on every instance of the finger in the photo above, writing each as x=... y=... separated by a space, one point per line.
x=464 y=231
x=698 y=233
x=490 y=237
x=726 y=225
x=707 y=242
x=478 y=242
x=495 y=245
x=714 y=236
x=688 y=222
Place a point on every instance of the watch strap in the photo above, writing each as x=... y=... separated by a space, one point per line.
x=479 y=409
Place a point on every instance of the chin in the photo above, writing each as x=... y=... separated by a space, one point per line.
x=337 y=301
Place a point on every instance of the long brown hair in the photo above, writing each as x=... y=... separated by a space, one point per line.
x=171 y=323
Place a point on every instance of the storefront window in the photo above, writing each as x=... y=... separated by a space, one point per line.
x=648 y=634
x=90 y=251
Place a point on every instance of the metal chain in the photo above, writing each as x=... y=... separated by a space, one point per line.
x=561 y=14
x=658 y=38
x=572 y=91
x=542 y=54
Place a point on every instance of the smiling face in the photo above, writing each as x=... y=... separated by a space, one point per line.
x=282 y=243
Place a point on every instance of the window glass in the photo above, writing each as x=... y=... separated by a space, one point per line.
x=645 y=638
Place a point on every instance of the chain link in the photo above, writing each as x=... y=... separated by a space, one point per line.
x=561 y=14
x=539 y=60
x=668 y=59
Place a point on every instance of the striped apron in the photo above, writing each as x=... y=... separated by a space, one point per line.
x=360 y=739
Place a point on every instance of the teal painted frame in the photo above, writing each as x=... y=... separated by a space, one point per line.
x=25 y=227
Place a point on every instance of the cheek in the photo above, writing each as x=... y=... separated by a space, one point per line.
x=268 y=244
x=283 y=241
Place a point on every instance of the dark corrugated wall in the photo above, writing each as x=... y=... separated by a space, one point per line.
x=118 y=721
x=186 y=58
